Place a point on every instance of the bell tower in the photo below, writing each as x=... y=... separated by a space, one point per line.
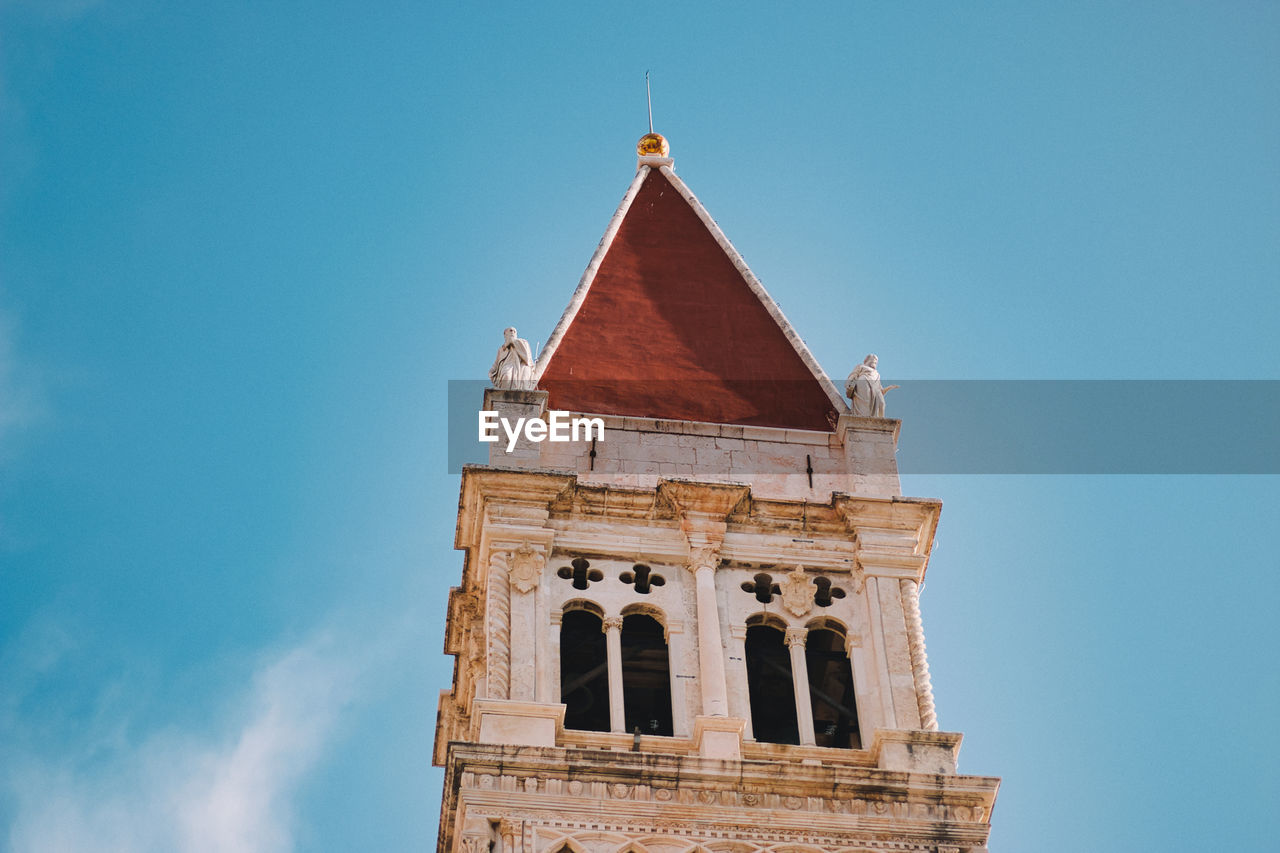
x=699 y=630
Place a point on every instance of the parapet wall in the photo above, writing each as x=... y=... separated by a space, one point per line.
x=857 y=457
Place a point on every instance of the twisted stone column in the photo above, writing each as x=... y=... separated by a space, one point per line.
x=919 y=660
x=498 y=604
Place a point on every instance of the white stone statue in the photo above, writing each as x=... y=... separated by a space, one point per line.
x=513 y=367
x=866 y=397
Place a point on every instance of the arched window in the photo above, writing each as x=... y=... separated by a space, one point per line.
x=584 y=671
x=646 y=675
x=773 y=707
x=835 y=710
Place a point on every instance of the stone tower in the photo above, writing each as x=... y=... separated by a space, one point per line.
x=701 y=631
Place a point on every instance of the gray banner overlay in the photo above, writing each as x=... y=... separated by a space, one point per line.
x=1036 y=426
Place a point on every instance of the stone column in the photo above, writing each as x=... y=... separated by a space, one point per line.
x=739 y=690
x=498 y=619
x=553 y=656
x=863 y=695
x=919 y=660
x=523 y=641
x=879 y=654
x=512 y=835
x=703 y=510
x=800 y=679
x=715 y=701
x=547 y=647
x=675 y=655
x=613 y=648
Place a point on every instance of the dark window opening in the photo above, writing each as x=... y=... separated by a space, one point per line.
x=835 y=710
x=769 y=684
x=646 y=676
x=584 y=672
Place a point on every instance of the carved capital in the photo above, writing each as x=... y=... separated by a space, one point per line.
x=475 y=843
x=796 y=637
x=703 y=556
x=612 y=623
x=509 y=829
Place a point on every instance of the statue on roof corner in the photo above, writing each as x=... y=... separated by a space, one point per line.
x=866 y=396
x=513 y=367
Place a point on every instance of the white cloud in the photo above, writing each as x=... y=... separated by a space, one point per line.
x=192 y=792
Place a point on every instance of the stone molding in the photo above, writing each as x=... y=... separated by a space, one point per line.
x=719 y=737
x=582 y=793
x=854 y=424
x=916 y=751
x=508 y=722
x=713 y=501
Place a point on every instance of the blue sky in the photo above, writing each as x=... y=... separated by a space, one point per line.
x=243 y=248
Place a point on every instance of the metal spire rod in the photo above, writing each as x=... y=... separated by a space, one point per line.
x=648 y=97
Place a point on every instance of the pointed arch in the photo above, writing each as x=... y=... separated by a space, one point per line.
x=633 y=847
x=568 y=845
x=731 y=847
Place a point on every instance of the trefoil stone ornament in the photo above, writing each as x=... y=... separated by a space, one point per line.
x=526 y=567
x=797 y=592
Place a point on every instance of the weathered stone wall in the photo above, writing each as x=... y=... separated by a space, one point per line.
x=719 y=548
x=857 y=457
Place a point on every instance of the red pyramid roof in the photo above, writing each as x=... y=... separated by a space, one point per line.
x=669 y=323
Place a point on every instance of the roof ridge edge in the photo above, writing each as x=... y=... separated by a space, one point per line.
x=757 y=288
x=589 y=274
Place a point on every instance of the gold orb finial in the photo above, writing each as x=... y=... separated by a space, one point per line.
x=653 y=145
